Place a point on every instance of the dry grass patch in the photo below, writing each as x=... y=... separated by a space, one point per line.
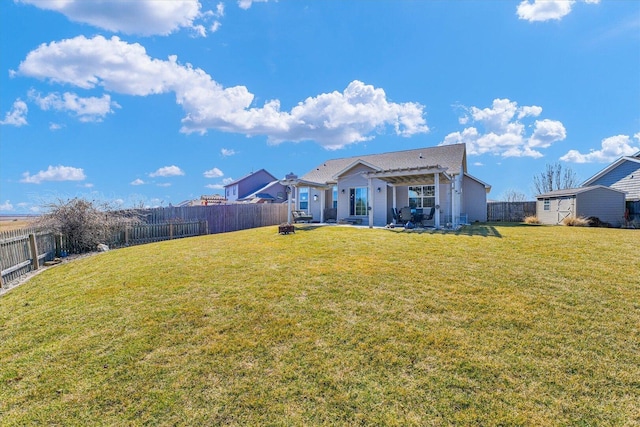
x=572 y=221
x=332 y=326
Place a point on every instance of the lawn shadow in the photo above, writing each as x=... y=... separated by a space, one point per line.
x=477 y=229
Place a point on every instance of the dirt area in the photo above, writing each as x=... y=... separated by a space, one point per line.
x=9 y=224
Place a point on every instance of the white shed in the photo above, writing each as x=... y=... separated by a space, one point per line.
x=605 y=203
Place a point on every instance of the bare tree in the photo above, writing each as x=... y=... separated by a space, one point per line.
x=555 y=177
x=513 y=195
x=83 y=223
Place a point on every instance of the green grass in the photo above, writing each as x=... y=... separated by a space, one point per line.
x=491 y=325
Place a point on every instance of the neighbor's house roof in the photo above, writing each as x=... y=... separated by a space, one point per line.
x=261 y=193
x=635 y=158
x=248 y=176
x=574 y=191
x=453 y=158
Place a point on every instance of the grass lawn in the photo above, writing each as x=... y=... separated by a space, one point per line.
x=492 y=325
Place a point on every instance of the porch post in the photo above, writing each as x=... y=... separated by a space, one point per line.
x=322 y=191
x=436 y=182
x=371 y=203
x=393 y=203
x=289 y=197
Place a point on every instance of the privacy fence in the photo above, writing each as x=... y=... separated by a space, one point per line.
x=25 y=250
x=510 y=211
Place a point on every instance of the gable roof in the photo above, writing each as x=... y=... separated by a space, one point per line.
x=452 y=157
x=250 y=175
x=574 y=191
x=635 y=158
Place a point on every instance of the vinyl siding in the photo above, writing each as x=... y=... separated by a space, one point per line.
x=626 y=177
x=606 y=205
x=474 y=200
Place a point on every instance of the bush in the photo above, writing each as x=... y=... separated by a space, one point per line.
x=532 y=220
x=575 y=221
x=84 y=224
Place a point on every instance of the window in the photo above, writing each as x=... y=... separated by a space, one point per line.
x=423 y=196
x=303 y=195
x=547 y=205
x=335 y=196
x=358 y=201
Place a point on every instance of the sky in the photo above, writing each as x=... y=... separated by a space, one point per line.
x=154 y=102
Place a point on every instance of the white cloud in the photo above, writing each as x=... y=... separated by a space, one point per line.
x=504 y=132
x=167 y=171
x=332 y=119
x=612 y=148
x=546 y=10
x=215 y=186
x=55 y=126
x=137 y=181
x=91 y=109
x=226 y=152
x=546 y=132
x=55 y=173
x=145 y=17
x=6 y=206
x=164 y=184
x=213 y=173
x=246 y=4
x=18 y=114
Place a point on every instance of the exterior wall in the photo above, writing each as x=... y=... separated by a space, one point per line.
x=626 y=177
x=559 y=208
x=606 y=205
x=378 y=202
x=474 y=200
x=231 y=193
x=351 y=179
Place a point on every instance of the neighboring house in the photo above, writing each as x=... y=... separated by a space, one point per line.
x=368 y=188
x=623 y=175
x=258 y=186
x=606 y=204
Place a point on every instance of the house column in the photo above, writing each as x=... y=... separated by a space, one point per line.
x=322 y=191
x=436 y=182
x=372 y=203
x=393 y=203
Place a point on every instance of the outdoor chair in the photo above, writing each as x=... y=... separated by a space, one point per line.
x=405 y=214
x=429 y=216
x=299 y=216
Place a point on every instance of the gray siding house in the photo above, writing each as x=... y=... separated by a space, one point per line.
x=607 y=204
x=623 y=175
x=366 y=189
x=256 y=187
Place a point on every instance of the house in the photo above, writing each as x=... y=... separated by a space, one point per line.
x=605 y=203
x=623 y=175
x=256 y=187
x=367 y=189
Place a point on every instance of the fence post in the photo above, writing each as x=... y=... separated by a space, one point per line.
x=34 y=251
x=171 y=231
x=126 y=235
x=58 y=240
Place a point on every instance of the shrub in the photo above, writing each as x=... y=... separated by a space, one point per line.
x=532 y=220
x=83 y=223
x=575 y=221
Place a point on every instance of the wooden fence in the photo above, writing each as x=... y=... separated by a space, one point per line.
x=221 y=218
x=25 y=250
x=510 y=211
x=22 y=251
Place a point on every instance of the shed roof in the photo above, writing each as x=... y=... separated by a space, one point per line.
x=574 y=191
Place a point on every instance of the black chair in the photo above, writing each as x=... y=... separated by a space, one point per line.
x=405 y=214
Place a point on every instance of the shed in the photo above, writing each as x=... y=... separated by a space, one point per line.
x=605 y=203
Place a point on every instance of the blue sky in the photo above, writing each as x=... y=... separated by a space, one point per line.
x=157 y=102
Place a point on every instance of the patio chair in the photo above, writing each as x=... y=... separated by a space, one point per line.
x=405 y=214
x=396 y=215
x=429 y=216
